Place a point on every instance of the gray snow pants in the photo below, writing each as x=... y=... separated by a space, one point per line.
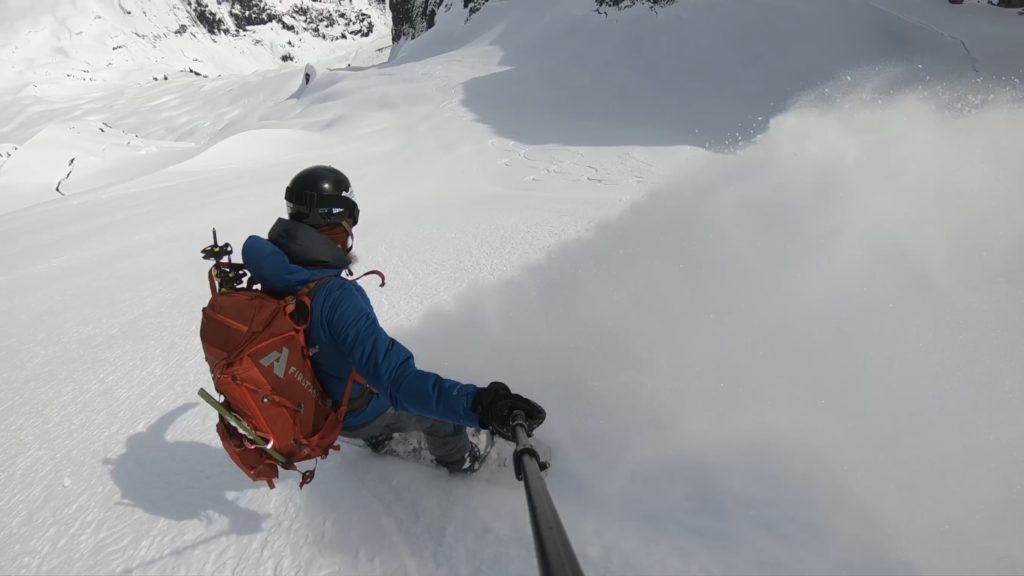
x=447 y=442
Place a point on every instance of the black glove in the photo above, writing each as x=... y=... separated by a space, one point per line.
x=495 y=405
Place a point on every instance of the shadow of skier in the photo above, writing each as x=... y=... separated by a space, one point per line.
x=180 y=480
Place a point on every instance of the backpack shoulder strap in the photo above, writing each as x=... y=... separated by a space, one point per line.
x=302 y=303
x=315 y=286
x=305 y=296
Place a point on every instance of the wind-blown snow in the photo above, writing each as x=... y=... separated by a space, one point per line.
x=803 y=358
x=798 y=353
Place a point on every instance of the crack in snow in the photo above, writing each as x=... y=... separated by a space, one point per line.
x=71 y=168
x=974 y=61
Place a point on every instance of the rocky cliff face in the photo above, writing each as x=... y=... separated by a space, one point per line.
x=101 y=40
x=623 y=4
x=410 y=18
x=327 y=20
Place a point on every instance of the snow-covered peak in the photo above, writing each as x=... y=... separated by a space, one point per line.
x=98 y=40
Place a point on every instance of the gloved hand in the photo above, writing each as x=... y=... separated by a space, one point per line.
x=495 y=405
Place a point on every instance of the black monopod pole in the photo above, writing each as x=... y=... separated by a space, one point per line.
x=555 y=556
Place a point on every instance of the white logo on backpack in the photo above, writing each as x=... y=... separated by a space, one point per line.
x=279 y=359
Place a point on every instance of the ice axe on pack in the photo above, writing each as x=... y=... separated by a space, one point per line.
x=555 y=556
x=240 y=424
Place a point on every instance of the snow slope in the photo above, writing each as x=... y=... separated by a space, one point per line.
x=798 y=353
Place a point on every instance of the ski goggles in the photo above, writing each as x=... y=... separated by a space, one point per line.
x=337 y=215
x=329 y=210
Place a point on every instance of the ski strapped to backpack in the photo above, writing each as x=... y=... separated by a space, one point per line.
x=274 y=413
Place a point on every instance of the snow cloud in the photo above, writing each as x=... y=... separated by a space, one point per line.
x=802 y=358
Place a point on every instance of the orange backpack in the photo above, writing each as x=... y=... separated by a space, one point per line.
x=274 y=413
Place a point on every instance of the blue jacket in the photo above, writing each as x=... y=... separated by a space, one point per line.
x=345 y=332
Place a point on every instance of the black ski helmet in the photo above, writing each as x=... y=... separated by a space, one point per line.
x=321 y=195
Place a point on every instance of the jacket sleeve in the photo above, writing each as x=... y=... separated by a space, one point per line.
x=386 y=364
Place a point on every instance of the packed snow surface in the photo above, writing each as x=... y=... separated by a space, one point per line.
x=762 y=263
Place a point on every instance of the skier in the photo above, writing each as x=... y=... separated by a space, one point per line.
x=388 y=393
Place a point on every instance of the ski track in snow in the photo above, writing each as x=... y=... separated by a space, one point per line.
x=975 y=64
x=545 y=163
x=571 y=165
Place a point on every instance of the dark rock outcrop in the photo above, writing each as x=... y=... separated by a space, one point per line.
x=208 y=19
x=410 y=18
x=473 y=6
x=623 y=4
x=328 y=20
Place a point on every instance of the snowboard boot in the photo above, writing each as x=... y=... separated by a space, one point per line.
x=479 y=447
x=469 y=464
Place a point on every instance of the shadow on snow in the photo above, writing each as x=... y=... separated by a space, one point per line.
x=640 y=78
x=181 y=480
